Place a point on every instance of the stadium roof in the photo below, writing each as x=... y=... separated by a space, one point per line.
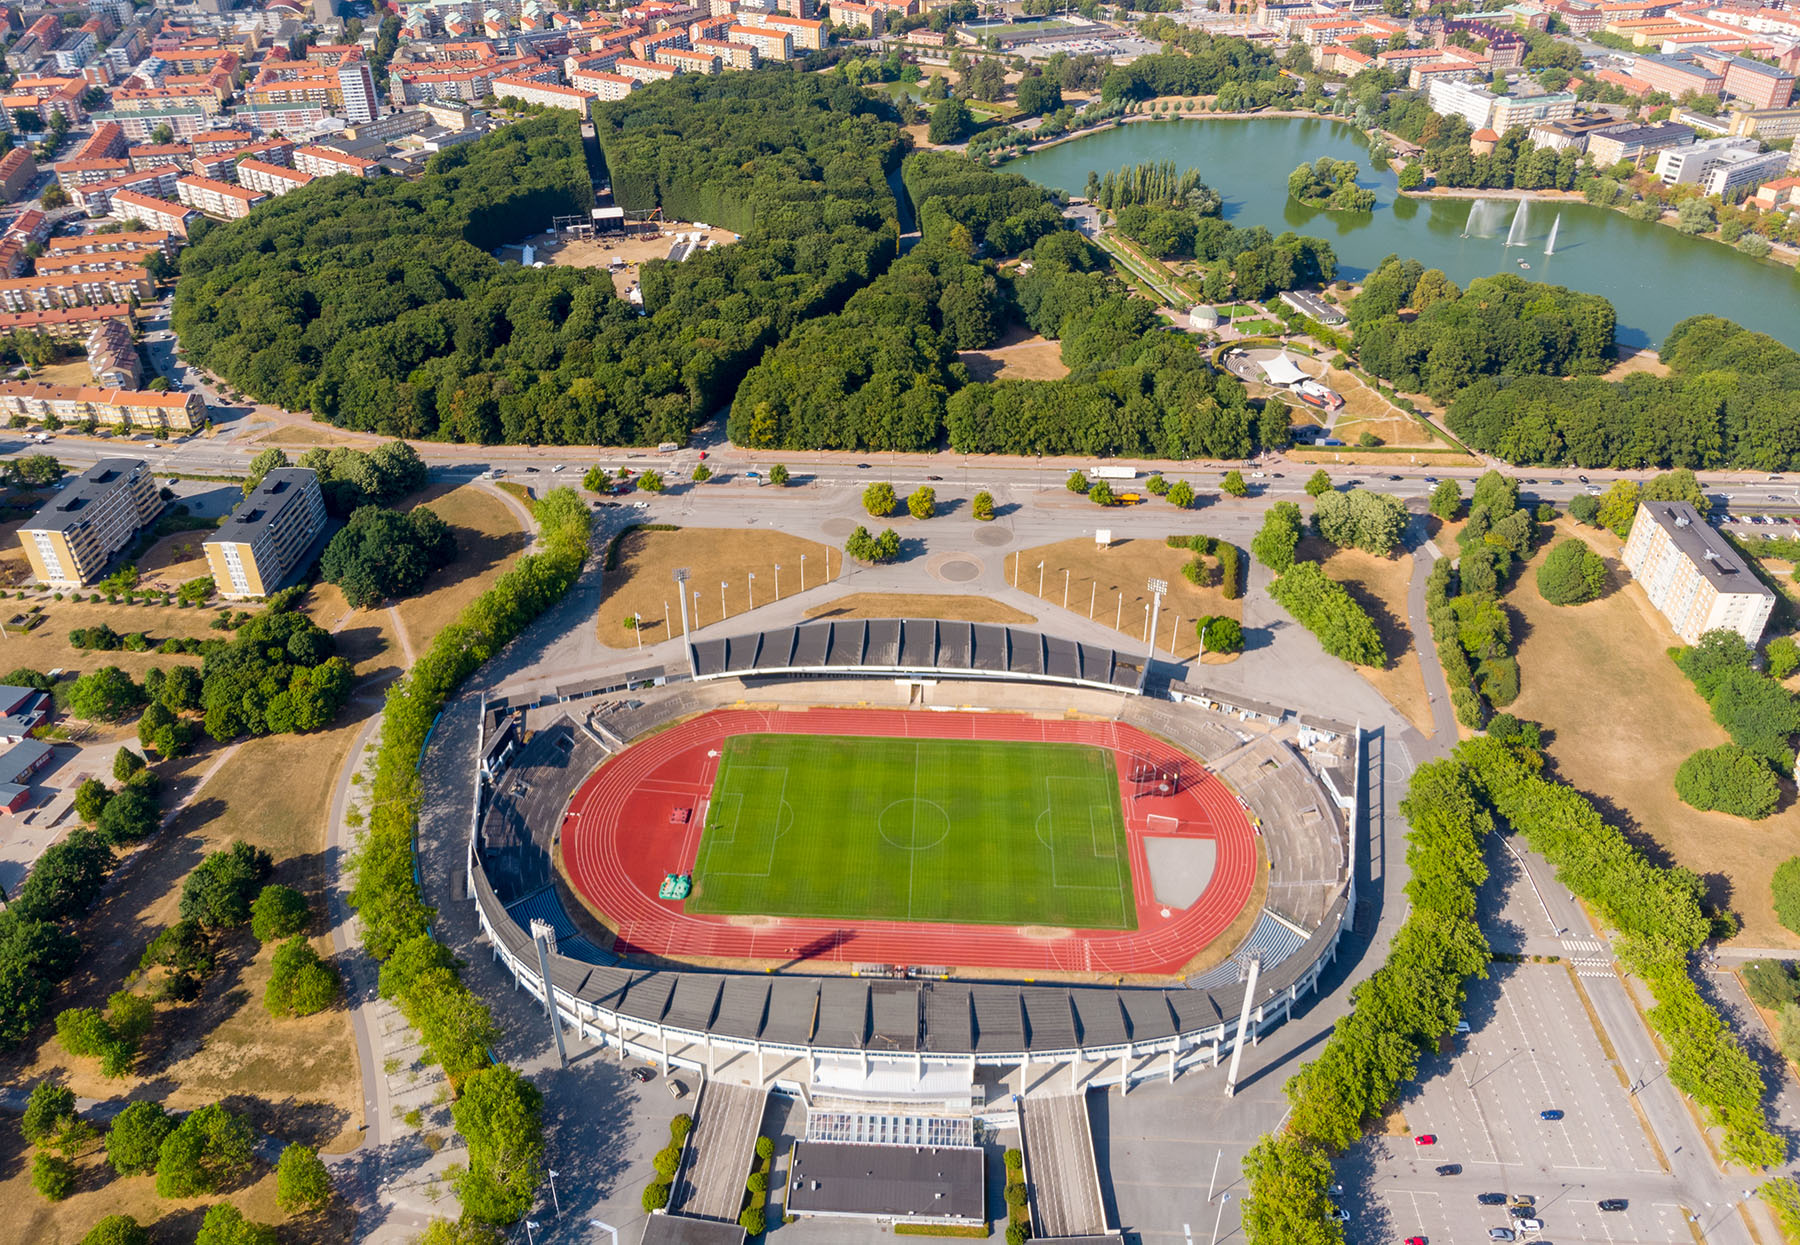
x=914 y=646
x=900 y=1181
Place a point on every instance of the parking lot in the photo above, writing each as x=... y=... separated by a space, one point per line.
x=1532 y=1048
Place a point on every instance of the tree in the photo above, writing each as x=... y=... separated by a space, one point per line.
x=125 y=764
x=951 y=122
x=1361 y=519
x=90 y=799
x=380 y=554
x=66 y=878
x=1289 y=1178
x=982 y=507
x=1730 y=780
x=1679 y=485
x=104 y=695
x=1038 y=94
x=302 y=1183
x=1696 y=216
x=181 y=690
x=225 y=1225
x=463 y=1232
x=500 y=1116
x=208 y=1152
x=1234 y=484
x=1101 y=494
x=597 y=480
x=778 y=476
x=1076 y=483
x=219 y=891
x=116 y=1230
x=1785 y=887
x=1618 y=507
x=650 y=481
x=1219 y=634
x=1585 y=509
x=879 y=500
x=1275 y=542
x=1181 y=495
x=49 y=1112
x=134 y=1142
x=873 y=549
x=131 y=814
x=1771 y=983
x=1783 y=656
x=1318 y=483
x=1572 y=573
x=54 y=195
x=53 y=1176
x=1323 y=607
x=1412 y=176
x=300 y=983
x=702 y=473
x=279 y=912
x=262 y=465
x=1446 y=500
x=922 y=502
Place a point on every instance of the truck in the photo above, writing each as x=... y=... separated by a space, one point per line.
x=1130 y=499
x=1113 y=473
x=667 y=447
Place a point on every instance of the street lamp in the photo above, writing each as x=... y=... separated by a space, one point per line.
x=778 y=583
x=751 y=589
x=1065 y=587
x=802 y=572
x=1040 y=581
x=723 y=612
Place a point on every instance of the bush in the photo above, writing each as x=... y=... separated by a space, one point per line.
x=873 y=549
x=300 y=983
x=1219 y=634
x=666 y=1161
x=1572 y=574
x=279 y=912
x=1156 y=485
x=982 y=507
x=302 y=1183
x=134 y=1142
x=1101 y=494
x=48 y=1113
x=1015 y=1193
x=1231 y=571
x=778 y=476
x=758 y=1182
x=1730 y=780
x=225 y=1225
x=220 y=890
x=1275 y=542
x=656 y=1197
x=679 y=1128
x=116 y=1230
x=1318 y=483
x=1233 y=484
x=1771 y=983
x=1014 y=1159
x=1017 y=1234
x=754 y=1220
x=765 y=1149
x=1181 y=495
x=53 y=1176
x=922 y=502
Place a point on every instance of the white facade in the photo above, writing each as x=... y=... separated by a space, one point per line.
x=1692 y=576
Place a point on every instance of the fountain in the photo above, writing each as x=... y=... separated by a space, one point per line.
x=1516 y=235
x=1550 y=247
x=1481 y=218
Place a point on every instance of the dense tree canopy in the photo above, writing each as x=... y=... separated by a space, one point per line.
x=382 y=553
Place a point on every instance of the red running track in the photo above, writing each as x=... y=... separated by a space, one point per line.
x=621 y=834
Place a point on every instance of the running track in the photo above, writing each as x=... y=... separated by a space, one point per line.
x=618 y=842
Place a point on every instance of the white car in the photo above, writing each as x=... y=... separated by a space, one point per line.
x=1529 y=1225
x=556 y=468
x=640 y=505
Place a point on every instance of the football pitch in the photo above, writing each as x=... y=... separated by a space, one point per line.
x=997 y=833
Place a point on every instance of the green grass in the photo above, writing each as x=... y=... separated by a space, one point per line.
x=915 y=830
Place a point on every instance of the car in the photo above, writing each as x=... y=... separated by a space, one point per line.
x=643 y=1076
x=1425 y=1139
x=1256 y=475
x=532 y=470
x=677 y=1090
x=1530 y=1225
x=862 y=466
x=556 y=468
x=1491 y=1199
x=1526 y=1200
x=1449 y=1169
x=1551 y=1114
x=1772 y=479
x=1462 y=1028
x=1773 y=497
x=1556 y=482
x=1431 y=479
x=1502 y=1234
x=640 y=505
x=1521 y=1212
x=1613 y=1203
x=1338 y=1213
x=934 y=477
x=1583 y=479
x=1528 y=480
x=1396 y=477
x=1417 y=1240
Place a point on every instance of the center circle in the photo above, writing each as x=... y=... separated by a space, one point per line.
x=913 y=825
x=959 y=570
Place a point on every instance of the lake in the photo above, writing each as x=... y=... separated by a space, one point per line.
x=1654 y=276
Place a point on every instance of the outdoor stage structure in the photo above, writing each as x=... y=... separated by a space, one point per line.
x=724 y=998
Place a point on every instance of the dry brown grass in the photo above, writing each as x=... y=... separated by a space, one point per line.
x=73 y=372
x=1379 y=586
x=47 y=647
x=634 y=250
x=1632 y=360
x=1354 y=458
x=1111 y=582
x=173 y=560
x=1622 y=718
x=642 y=582
x=1019 y=355
x=488 y=537
x=919 y=605
x=311 y=436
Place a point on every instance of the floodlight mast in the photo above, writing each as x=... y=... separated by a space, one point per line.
x=1157 y=588
x=687 y=645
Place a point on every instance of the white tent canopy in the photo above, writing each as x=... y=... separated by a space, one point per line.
x=1281 y=370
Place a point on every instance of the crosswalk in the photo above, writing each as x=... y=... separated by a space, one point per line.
x=1589 y=957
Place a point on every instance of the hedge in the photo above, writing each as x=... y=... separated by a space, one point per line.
x=1323 y=607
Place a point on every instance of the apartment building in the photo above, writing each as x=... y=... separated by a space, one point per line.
x=266 y=536
x=70 y=541
x=53 y=262
x=1729 y=162
x=1677 y=75
x=1693 y=577
x=73 y=173
x=688 y=60
x=150 y=212
x=96 y=197
x=270 y=179
x=1769 y=124
x=69 y=289
x=547 y=94
x=214 y=198
x=63 y=323
x=115 y=408
x=731 y=55
x=645 y=71
x=329 y=161
x=1636 y=142
x=1757 y=84
x=17 y=171
x=803 y=32
x=772 y=44
x=604 y=86
x=417 y=83
x=112 y=357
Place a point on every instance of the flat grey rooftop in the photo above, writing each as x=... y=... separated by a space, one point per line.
x=925 y=1181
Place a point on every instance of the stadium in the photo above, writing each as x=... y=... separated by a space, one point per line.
x=912 y=846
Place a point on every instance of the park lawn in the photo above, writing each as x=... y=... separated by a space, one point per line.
x=296 y=1078
x=364 y=638
x=1379 y=585
x=1255 y=328
x=174 y=560
x=642 y=581
x=893 y=829
x=488 y=538
x=1019 y=355
x=47 y=647
x=950 y=606
x=1621 y=719
x=1112 y=583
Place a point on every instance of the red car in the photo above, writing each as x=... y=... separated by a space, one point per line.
x=1425 y=1139
x=1416 y=1240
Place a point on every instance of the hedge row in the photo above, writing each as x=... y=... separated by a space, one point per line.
x=1231 y=563
x=457 y=1027
x=1321 y=605
x=1399 y=1013
x=1658 y=914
